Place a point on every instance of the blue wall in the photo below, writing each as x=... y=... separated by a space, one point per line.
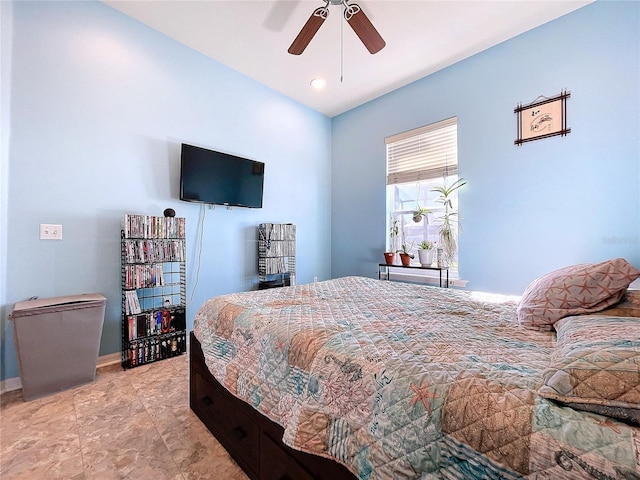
x=526 y=210
x=99 y=107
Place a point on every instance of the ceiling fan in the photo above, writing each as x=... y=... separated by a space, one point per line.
x=354 y=16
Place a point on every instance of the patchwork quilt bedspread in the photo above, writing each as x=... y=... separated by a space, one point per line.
x=396 y=380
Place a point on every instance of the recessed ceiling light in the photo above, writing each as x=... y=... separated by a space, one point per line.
x=318 y=83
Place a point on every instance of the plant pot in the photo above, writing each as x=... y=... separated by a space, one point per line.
x=405 y=259
x=389 y=257
x=425 y=257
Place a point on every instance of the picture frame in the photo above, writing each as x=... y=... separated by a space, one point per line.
x=542 y=118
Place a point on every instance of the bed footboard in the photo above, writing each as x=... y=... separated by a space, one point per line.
x=251 y=439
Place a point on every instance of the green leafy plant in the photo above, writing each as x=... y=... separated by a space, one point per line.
x=420 y=213
x=407 y=250
x=393 y=233
x=426 y=245
x=447 y=237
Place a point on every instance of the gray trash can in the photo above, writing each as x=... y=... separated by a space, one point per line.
x=57 y=341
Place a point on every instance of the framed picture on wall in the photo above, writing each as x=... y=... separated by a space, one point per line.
x=544 y=117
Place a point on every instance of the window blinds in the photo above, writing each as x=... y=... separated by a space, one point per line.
x=423 y=153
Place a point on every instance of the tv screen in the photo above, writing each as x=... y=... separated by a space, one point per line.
x=218 y=178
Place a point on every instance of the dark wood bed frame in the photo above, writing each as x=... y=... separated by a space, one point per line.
x=254 y=441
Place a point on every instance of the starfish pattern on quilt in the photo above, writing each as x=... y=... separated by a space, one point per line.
x=607 y=422
x=422 y=394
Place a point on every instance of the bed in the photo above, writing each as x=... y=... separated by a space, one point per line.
x=362 y=378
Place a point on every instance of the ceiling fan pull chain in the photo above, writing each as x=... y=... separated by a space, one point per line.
x=342 y=44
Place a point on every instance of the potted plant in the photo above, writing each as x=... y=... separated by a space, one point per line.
x=405 y=251
x=447 y=240
x=419 y=213
x=390 y=255
x=425 y=253
x=405 y=254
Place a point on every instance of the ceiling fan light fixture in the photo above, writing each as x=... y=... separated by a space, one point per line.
x=318 y=83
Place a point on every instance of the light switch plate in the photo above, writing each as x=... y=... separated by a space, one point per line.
x=50 y=231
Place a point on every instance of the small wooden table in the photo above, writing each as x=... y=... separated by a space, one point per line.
x=386 y=267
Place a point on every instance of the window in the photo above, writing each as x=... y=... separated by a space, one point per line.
x=417 y=162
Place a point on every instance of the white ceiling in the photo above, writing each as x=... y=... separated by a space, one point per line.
x=422 y=36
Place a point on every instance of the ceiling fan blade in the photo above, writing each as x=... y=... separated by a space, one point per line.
x=309 y=30
x=363 y=27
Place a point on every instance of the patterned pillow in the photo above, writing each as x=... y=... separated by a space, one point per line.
x=596 y=366
x=574 y=290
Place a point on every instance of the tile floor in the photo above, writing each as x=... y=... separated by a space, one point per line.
x=133 y=424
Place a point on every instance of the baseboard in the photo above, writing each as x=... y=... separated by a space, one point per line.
x=11 y=384
x=110 y=359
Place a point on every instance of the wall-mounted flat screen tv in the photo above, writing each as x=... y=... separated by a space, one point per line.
x=218 y=178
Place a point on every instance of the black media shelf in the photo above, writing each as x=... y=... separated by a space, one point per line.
x=153 y=251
